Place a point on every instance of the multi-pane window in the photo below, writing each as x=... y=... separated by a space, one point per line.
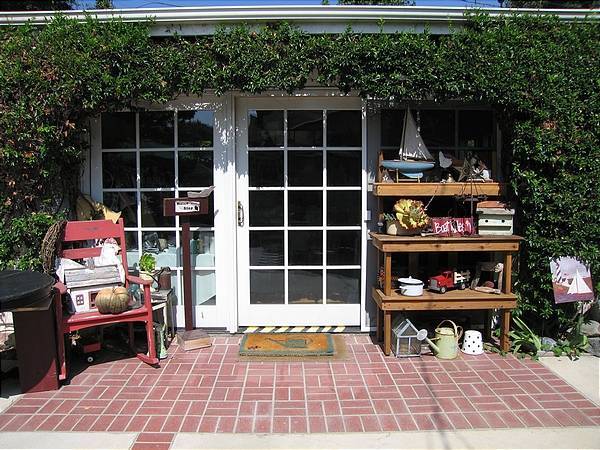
x=456 y=131
x=305 y=178
x=149 y=156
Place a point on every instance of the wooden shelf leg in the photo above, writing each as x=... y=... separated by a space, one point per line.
x=387 y=333
x=379 y=330
x=387 y=273
x=504 y=329
x=507 y=273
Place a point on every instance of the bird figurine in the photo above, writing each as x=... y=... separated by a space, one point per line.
x=445 y=161
x=448 y=165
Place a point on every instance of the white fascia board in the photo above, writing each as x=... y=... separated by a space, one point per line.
x=313 y=19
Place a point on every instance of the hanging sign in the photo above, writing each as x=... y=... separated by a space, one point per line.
x=452 y=226
x=571 y=280
x=183 y=206
x=195 y=204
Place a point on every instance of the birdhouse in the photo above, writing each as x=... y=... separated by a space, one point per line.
x=497 y=221
x=404 y=338
x=83 y=284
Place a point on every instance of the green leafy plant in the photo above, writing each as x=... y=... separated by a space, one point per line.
x=147 y=263
x=574 y=342
x=410 y=214
x=572 y=347
x=389 y=217
x=524 y=340
x=20 y=239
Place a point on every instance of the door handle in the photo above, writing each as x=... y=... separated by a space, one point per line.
x=240 y=214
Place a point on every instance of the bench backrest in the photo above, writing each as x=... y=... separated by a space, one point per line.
x=89 y=230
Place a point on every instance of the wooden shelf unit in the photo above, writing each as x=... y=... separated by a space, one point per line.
x=426 y=189
x=388 y=300
x=456 y=299
x=476 y=243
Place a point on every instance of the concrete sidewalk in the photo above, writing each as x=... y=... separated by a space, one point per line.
x=476 y=439
x=584 y=437
x=583 y=374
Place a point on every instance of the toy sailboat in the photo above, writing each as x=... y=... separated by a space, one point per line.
x=414 y=158
x=578 y=285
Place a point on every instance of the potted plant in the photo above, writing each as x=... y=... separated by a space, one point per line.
x=409 y=218
x=146 y=266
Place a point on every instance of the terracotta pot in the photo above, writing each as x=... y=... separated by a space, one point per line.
x=147 y=276
x=393 y=228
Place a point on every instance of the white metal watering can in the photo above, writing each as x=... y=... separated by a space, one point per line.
x=447 y=345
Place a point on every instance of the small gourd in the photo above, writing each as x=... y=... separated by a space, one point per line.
x=113 y=300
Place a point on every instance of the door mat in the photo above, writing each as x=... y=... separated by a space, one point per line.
x=287 y=344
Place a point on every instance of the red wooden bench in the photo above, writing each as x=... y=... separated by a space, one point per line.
x=65 y=324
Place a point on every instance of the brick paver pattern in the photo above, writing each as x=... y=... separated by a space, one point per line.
x=210 y=390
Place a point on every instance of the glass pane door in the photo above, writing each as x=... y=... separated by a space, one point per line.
x=151 y=155
x=300 y=177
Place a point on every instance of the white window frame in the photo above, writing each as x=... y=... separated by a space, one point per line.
x=210 y=316
x=313 y=102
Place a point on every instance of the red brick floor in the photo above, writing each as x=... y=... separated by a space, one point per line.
x=209 y=390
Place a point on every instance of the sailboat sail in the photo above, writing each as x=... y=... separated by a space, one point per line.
x=578 y=285
x=412 y=146
x=560 y=278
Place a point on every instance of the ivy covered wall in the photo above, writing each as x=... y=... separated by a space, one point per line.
x=541 y=75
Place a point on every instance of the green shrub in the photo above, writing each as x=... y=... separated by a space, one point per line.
x=20 y=241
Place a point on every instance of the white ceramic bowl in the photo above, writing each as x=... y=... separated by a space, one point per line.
x=411 y=287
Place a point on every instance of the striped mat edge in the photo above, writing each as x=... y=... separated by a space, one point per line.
x=327 y=329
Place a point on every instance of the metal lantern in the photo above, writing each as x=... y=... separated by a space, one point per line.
x=405 y=338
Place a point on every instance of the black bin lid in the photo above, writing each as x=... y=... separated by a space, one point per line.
x=22 y=288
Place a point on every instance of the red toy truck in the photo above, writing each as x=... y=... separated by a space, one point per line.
x=449 y=279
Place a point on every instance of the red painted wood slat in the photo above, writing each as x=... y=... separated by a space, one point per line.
x=91 y=229
x=79 y=253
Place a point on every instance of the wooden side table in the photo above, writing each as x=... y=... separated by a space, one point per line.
x=162 y=299
x=388 y=300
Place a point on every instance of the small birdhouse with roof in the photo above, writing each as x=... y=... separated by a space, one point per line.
x=404 y=338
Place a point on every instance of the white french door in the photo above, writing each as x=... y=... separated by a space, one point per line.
x=300 y=166
x=140 y=158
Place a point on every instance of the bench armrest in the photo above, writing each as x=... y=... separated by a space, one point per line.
x=60 y=287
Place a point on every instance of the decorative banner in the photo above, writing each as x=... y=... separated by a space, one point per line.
x=571 y=280
x=452 y=226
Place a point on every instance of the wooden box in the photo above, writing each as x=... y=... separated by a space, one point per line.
x=83 y=276
x=84 y=298
x=495 y=221
x=193 y=339
x=83 y=284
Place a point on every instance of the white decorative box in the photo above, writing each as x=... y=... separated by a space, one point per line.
x=497 y=221
x=84 y=298
x=83 y=284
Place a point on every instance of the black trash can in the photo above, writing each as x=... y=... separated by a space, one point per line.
x=29 y=296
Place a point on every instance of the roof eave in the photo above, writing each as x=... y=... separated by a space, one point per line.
x=315 y=19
